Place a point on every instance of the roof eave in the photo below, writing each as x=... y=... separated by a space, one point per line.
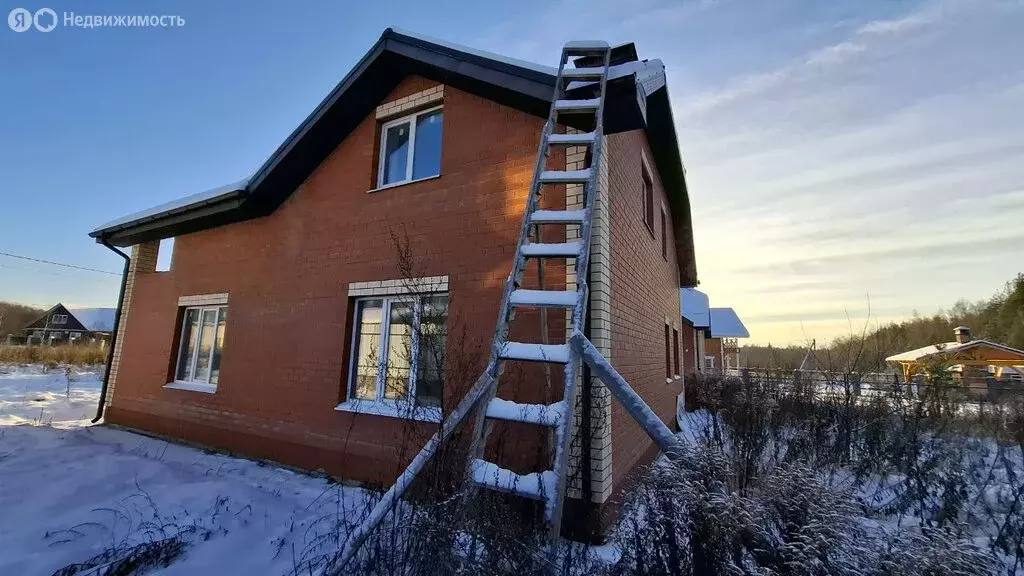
x=191 y=218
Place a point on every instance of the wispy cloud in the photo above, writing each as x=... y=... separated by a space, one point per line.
x=842 y=153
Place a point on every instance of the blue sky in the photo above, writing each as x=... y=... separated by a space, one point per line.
x=842 y=156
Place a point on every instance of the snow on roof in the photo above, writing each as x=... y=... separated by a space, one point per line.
x=481 y=53
x=696 y=307
x=933 y=350
x=644 y=69
x=95 y=319
x=649 y=73
x=725 y=323
x=179 y=204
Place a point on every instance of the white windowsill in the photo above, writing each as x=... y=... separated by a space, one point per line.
x=677 y=377
x=391 y=409
x=402 y=183
x=192 y=387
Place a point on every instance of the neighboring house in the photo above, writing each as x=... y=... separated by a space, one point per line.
x=274 y=333
x=977 y=364
x=63 y=325
x=696 y=328
x=723 y=348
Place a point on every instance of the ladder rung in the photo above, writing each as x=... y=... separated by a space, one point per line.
x=583 y=139
x=565 y=176
x=558 y=216
x=541 y=414
x=583 y=73
x=538 y=485
x=544 y=298
x=552 y=250
x=589 y=104
x=554 y=353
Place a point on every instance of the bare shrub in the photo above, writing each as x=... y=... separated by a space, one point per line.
x=139 y=537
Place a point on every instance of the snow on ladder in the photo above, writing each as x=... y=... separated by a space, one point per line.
x=547 y=485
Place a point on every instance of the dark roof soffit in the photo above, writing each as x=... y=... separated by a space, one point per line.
x=504 y=80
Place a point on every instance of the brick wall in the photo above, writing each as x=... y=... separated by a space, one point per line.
x=713 y=347
x=645 y=295
x=689 y=344
x=285 y=360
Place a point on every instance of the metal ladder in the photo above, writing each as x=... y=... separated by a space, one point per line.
x=548 y=485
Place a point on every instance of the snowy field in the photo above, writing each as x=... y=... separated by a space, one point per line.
x=58 y=397
x=69 y=491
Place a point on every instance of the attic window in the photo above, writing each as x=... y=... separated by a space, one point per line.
x=410 y=148
x=58 y=319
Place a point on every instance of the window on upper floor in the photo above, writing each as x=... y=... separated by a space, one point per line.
x=58 y=319
x=398 y=347
x=410 y=148
x=200 y=346
x=648 y=196
x=664 y=235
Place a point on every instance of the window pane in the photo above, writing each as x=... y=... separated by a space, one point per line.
x=205 y=345
x=396 y=153
x=367 y=349
x=189 y=333
x=399 y=351
x=430 y=370
x=218 y=345
x=426 y=160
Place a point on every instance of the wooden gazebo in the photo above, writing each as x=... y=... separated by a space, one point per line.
x=975 y=356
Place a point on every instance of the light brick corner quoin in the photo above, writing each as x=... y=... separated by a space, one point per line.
x=600 y=330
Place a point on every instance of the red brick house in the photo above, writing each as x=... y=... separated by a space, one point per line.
x=260 y=338
x=696 y=313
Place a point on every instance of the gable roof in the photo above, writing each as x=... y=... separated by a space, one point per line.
x=637 y=97
x=695 y=307
x=95 y=319
x=725 y=323
x=86 y=319
x=954 y=349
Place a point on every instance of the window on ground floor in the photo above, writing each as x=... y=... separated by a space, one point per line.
x=398 y=346
x=675 y=352
x=709 y=362
x=201 y=344
x=668 y=352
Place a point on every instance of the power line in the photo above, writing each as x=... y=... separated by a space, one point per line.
x=58 y=264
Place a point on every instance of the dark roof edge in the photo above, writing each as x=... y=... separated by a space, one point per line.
x=261 y=193
x=319 y=111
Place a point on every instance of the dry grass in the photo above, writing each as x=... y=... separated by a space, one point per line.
x=75 y=355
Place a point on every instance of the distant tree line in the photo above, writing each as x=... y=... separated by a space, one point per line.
x=14 y=317
x=999 y=318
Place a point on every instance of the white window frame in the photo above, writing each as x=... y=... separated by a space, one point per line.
x=712 y=366
x=381 y=406
x=74 y=334
x=58 y=319
x=197 y=385
x=411 y=119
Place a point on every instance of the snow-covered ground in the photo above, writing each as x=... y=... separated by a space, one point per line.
x=69 y=492
x=58 y=397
